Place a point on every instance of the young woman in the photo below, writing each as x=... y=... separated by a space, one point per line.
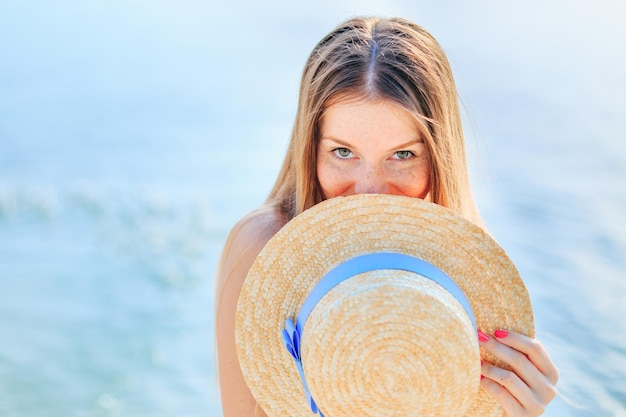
x=378 y=113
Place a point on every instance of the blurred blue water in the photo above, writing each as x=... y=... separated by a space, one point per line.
x=133 y=134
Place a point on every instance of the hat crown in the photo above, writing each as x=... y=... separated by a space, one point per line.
x=388 y=313
x=390 y=337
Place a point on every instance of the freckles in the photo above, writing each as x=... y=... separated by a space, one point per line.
x=415 y=180
x=333 y=178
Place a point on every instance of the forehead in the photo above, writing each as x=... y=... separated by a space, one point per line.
x=364 y=115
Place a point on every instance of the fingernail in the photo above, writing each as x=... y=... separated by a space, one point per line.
x=501 y=334
x=482 y=336
x=481 y=377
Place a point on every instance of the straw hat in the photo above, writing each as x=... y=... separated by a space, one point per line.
x=368 y=306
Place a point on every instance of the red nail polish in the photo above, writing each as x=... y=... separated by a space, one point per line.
x=501 y=334
x=482 y=336
x=482 y=376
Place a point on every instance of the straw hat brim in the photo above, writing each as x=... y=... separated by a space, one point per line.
x=324 y=236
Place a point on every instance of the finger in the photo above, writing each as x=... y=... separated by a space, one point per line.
x=543 y=390
x=514 y=358
x=509 y=389
x=511 y=405
x=534 y=350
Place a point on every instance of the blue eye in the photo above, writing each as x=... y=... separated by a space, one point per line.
x=343 y=152
x=403 y=155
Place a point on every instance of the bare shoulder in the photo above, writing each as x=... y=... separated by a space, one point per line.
x=245 y=241
x=243 y=244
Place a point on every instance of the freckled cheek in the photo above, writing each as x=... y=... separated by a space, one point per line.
x=333 y=180
x=414 y=181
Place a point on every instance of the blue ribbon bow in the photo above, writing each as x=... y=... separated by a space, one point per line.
x=291 y=337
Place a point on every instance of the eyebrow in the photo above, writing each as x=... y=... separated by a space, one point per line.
x=348 y=145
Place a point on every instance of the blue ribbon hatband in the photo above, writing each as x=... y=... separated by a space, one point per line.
x=292 y=334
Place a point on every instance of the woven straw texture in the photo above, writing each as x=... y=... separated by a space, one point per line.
x=394 y=357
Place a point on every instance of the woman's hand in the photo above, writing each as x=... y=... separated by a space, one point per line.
x=527 y=389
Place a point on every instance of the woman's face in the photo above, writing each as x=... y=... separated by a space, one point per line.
x=371 y=147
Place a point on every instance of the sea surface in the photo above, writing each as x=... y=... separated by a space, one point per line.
x=134 y=134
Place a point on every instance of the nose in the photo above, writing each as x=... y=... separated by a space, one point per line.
x=371 y=181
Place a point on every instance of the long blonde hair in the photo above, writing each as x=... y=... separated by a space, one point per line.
x=374 y=58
